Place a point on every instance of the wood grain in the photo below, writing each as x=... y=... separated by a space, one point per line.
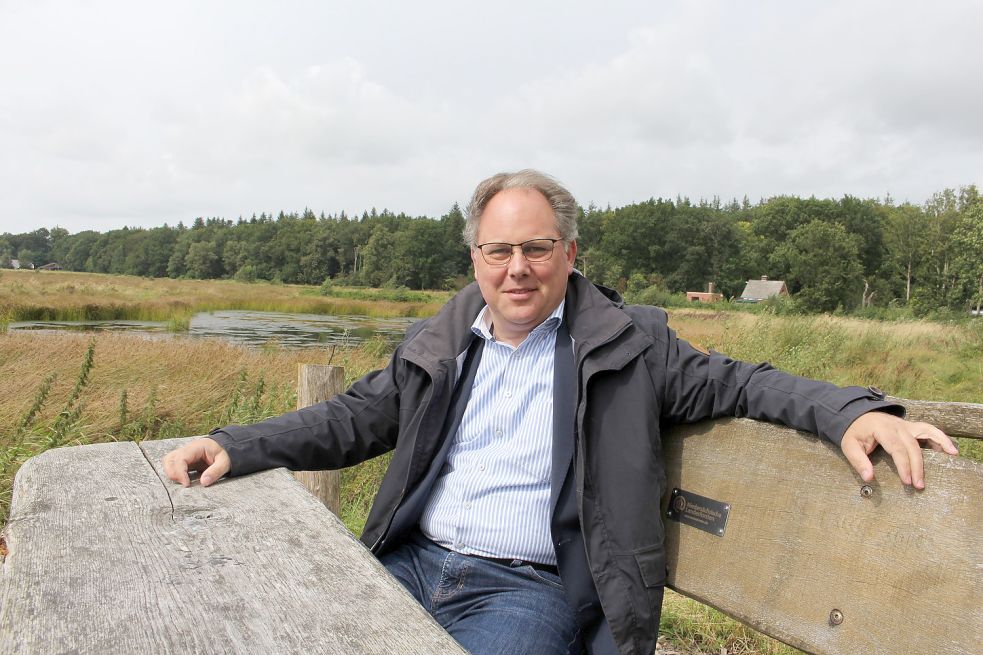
x=316 y=383
x=108 y=556
x=955 y=419
x=904 y=568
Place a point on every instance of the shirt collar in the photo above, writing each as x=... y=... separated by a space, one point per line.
x=481 y=325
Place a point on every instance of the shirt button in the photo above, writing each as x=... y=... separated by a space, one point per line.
x=467 y=505
x=508 y=394
x=481 y=467
x=498 y=433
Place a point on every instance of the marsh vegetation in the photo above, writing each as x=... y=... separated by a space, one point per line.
x=68 y=389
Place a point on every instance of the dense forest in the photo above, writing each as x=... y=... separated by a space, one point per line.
x=833 y=254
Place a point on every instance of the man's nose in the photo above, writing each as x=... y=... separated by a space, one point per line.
x=518 y=265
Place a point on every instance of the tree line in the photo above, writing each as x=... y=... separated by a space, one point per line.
x=833 y=254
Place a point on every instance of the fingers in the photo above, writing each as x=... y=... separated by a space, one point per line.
x=218 y=468
x=936 y=439
x=907 y=458
x=899 y=438
x=856 y=454
x=197 y=455
x=176 y=467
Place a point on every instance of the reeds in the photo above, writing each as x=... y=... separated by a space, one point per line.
x=63 y=389
x=144 y=388
x=68 y=296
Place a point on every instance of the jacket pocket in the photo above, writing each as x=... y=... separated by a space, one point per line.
x=652 y=565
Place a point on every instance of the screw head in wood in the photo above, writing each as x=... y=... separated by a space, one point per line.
x=866 y=491
x=835 y=617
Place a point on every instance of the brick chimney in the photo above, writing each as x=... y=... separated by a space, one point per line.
x=709 y=287
x=764 y=278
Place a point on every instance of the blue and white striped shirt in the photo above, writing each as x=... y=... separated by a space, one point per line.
x=493 y=494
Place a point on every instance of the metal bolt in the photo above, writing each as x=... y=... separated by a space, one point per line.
x=835 y=617
x=866 y=491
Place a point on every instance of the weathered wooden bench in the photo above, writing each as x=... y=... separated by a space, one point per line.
x=106 y=555
x=772 y=527
x=776 y=530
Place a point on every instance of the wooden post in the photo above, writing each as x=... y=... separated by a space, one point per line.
x=317 y=382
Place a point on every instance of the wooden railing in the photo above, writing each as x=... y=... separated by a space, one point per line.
x=106 y=555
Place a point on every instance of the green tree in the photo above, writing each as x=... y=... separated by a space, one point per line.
x=79 y=251
x=967 y=240
x=377 y=266
x=419 y=259
x=939 y=278
x=634 y=241
x=201 y=262
x=823 y=261
x=176 y=266
x=456 y=255
x=907 y=233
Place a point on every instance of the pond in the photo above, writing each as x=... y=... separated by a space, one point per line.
x=252 y=328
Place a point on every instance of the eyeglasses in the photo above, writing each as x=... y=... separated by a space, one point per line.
x=534 y=250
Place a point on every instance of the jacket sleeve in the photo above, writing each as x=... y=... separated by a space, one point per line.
x=702 y=385
x=345 y=430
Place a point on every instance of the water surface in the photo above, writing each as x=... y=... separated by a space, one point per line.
x=252 y=328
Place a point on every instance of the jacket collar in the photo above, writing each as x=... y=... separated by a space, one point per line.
x=447 y=334
x=594 y=317
x=594 y=313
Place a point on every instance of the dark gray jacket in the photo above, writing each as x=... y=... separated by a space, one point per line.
x=634 y=377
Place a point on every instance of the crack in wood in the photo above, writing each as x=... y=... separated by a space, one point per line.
x=163 y=484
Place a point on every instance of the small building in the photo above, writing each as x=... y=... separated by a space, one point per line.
x=704 y=296
x=18 y=264
x=758 y=290
x=53 y=266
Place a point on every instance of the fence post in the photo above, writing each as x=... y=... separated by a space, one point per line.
x=317 y=382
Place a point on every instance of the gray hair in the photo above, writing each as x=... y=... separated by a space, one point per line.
x=561 y=200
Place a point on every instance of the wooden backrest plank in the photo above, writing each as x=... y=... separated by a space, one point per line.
x=955 y=419
x=804 y=548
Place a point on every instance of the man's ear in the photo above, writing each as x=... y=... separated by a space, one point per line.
x=571 y=256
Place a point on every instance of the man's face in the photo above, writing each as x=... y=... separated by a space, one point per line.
x=521 y=294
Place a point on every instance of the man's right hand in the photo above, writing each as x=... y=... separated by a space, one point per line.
x=203 y=455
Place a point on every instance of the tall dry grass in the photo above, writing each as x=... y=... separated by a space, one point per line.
x=140 y=388
x=912 y=359
x=69 y=296
x=191 y=386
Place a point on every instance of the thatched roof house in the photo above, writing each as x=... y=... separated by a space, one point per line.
x=758 y=290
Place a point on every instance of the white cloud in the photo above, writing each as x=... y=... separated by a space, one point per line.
x=129 y=114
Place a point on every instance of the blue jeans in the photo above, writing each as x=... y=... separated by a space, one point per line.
x=489 y=608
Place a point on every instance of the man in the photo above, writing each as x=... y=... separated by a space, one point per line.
x=521 y=504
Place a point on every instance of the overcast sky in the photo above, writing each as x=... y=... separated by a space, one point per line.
x=135 y=113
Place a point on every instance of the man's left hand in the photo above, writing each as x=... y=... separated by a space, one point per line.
x=899 y=438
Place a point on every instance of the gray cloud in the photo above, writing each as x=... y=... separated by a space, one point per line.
x=118 y=113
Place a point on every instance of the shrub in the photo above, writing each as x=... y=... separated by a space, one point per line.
x=246 y=274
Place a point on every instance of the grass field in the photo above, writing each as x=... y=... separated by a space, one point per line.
x=66 y=389
x=66 y=296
